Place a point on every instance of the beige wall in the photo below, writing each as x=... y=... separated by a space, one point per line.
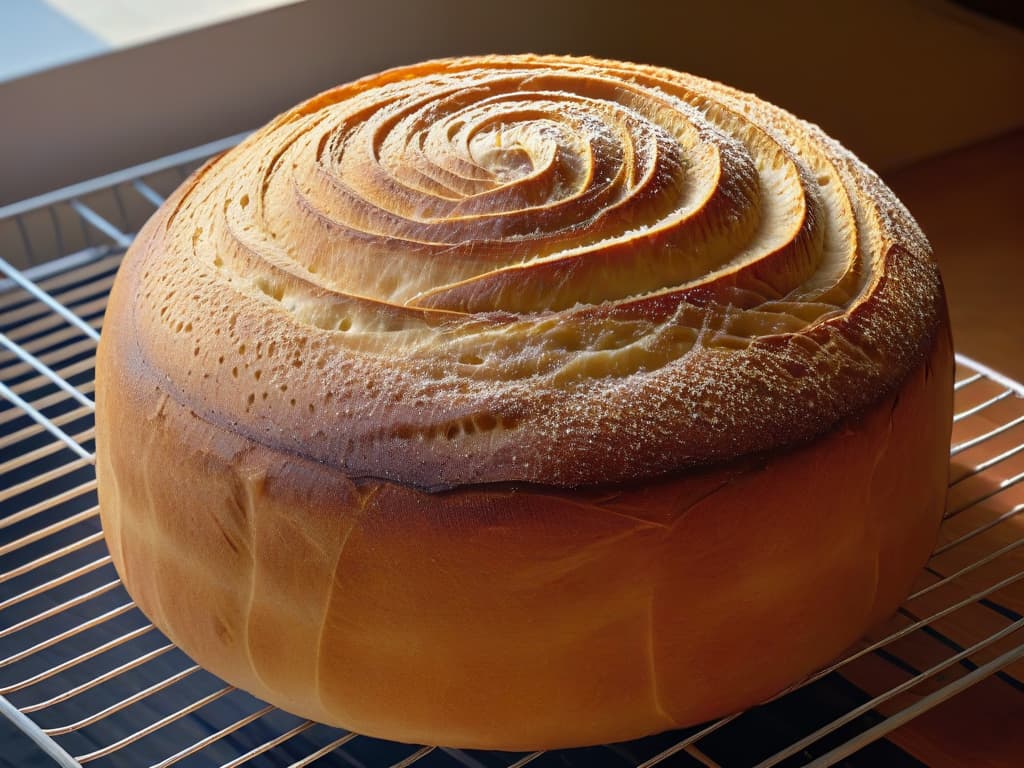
x=895 y=81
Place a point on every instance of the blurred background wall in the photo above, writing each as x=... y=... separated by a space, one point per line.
x=896 y=80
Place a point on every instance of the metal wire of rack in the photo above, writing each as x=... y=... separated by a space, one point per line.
x=91 y=681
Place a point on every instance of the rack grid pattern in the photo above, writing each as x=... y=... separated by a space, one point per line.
x=86 y=676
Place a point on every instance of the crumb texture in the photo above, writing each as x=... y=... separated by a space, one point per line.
x=555 y=270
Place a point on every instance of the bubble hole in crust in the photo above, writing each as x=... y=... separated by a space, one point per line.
x=525 y=268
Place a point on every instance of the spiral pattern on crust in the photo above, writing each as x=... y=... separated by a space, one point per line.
x=551 y=270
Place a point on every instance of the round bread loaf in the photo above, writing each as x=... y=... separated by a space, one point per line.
x=524 y=402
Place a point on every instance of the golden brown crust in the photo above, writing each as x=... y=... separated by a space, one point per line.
x=561 y=271
x=524 y=402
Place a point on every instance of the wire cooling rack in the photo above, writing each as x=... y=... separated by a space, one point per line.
x=86 y=676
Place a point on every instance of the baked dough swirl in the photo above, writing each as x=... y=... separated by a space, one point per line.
x=484 y=296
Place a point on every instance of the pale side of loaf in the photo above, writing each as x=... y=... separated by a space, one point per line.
x=524 y=402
